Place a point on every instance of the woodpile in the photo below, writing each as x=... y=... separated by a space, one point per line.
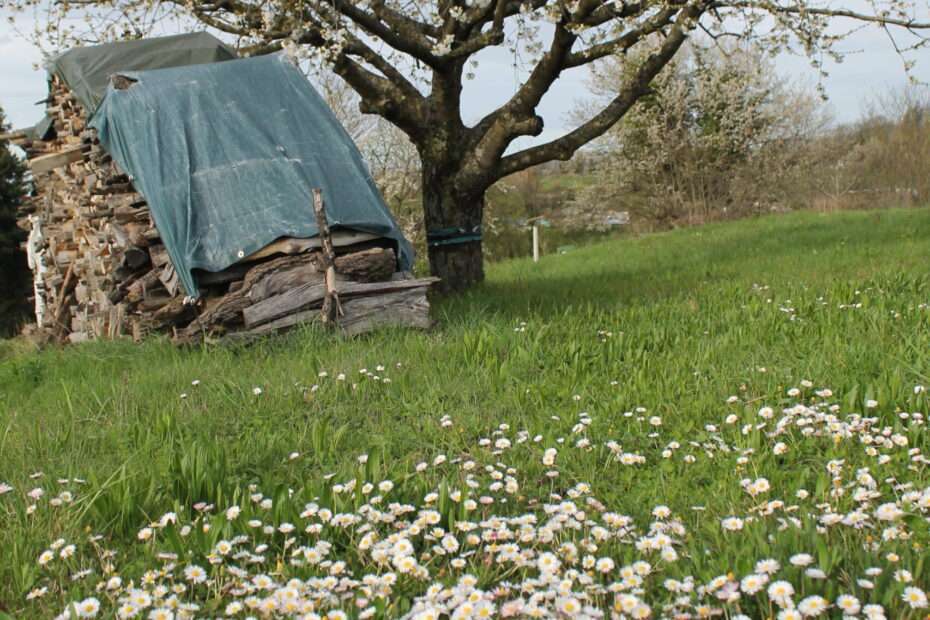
x=101 y=270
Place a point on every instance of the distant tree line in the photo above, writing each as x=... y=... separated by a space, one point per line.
x=722 y=135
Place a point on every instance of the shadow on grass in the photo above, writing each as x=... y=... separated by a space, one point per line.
x=798 y=247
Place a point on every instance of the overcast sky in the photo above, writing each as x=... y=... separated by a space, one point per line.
x=871 y=67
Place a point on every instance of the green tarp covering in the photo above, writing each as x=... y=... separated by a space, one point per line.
x=87 y=70
x=227 y=155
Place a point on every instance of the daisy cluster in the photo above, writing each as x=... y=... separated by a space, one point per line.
x=506 y=529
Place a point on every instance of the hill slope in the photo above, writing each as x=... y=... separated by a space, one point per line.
x=661 y=371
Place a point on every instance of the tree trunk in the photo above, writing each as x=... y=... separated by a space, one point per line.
x=453 y=227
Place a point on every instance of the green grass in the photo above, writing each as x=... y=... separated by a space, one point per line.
x=675 y=323
x=567 y=182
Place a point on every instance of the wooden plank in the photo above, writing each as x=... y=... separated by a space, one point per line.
x=407 y=308
x=312 y=295
x=286 y=245
x=47 y=163
x=16 y=134
x=294 y=245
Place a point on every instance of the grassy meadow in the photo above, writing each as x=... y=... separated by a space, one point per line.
x=726 y=421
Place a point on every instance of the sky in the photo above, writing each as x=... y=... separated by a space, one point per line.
x=871 y=67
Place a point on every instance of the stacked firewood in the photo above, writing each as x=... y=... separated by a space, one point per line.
x=101 y=270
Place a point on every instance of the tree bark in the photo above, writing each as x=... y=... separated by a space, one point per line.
x=451 y=217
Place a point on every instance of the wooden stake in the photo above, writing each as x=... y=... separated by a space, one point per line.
x=332 y=309
x=535 y=243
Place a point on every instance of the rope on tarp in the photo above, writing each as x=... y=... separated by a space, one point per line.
x=452 y=236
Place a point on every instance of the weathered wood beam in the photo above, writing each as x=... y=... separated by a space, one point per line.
x=47 y=163
x=312 y=295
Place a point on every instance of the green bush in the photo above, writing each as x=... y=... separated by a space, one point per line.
x=15 y=280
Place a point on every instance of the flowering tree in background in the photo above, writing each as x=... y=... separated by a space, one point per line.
x=720 y=132
x=408 y=59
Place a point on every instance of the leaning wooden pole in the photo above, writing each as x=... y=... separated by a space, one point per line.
x=332 y=309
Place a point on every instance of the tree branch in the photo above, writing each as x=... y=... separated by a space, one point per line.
x=402 y=35
x=804 y=10
x=623 y=42
x=563 y=148
x=518 y=117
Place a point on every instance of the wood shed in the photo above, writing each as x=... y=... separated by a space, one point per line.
x=174 y=192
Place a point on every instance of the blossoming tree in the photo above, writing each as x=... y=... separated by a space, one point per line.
x=408 y=59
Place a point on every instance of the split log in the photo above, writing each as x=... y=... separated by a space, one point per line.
x=159 y=255
x=289 y=275
x=138 y=290
x=405 y=308
x=372 y=265
x=174 y=313
x=224 y=311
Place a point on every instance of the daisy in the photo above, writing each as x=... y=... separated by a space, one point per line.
x=801 y=559
x=195 y=574
x=88 y=608
x=732 y=524
x=813 y=606
x=848 y=604
x=915 y=597
x=781 y=592
x=753 y=583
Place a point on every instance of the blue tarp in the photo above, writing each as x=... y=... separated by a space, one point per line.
x=87 y=70
x=227 y=155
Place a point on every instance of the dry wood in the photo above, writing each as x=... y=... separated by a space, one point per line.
x=47 y=163
x=230 y=274
x=159 y=255
x=331 y=306
x=174 y=313
x=287 y=245
x=406 y=308
x=313 y=295
x=372 y=265
x=288 y=276
x=101 y=270
x=13 y=136
x=308 y=316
